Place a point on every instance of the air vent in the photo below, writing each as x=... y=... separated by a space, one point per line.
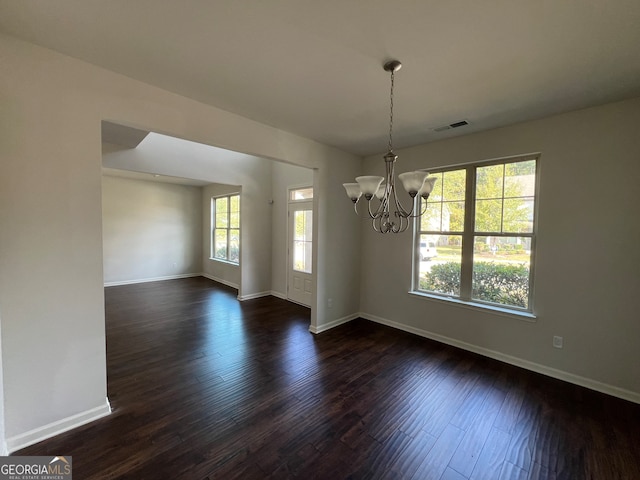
x=461 y=123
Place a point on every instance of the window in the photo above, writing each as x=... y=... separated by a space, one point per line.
x=225 y=228
x=476 y=240
x=302 y=240
x=301 y=194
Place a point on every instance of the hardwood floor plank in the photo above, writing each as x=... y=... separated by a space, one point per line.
x=440 y=418
x=466 y=456
x=520 y=451
x=513 y=472
x=389 y=453
x=491 y=459
x=510 y=410
x=437 y=459
x=538 y=472
x=471 y=406
x=203 y=386
x=410 y=459
x=451 y=474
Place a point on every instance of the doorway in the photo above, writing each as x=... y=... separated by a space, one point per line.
x=300 y=246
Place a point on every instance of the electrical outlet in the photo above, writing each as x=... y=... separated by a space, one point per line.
x=330 y=302
x=557 y=341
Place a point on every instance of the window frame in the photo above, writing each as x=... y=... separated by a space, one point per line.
x=468 y=235
x=228 y=228
x=291 y=200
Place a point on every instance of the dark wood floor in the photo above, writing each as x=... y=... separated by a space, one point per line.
x=204 y=387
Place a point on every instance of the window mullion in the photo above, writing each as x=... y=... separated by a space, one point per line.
x=229 y=228
x=466 y=271
x=215 y=227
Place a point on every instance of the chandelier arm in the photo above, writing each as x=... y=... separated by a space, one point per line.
x=380 y=224
x=397 y=228
x=378 y=211
x=401 y=210
x=369 y=209
x=388 y=226
x=373 y=223
x=391 y=183
x=399 y=207
x=423 y=210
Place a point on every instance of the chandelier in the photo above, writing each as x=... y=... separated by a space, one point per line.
x=389 y=215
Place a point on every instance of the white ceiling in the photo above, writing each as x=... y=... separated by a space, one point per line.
x=314 y=67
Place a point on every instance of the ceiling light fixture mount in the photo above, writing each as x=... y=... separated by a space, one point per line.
x=390 y=215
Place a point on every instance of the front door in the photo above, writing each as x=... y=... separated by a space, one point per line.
x=300 y=279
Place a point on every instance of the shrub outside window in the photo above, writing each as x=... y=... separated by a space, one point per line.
x=225 y=231
x=476 y=241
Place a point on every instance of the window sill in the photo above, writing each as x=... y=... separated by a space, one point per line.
x=479 y=307
x=224 y=261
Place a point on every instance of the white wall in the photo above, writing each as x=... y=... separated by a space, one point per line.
x=284 y=176
x=587 y=256
x=167 y=155
x=51 y=272
x=150 y=229
x=264 y=224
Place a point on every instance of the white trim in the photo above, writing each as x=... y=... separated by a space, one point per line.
x=279 y=295
x=220 y=280
x=55 y=428
x=477 y=306
x=154 y=279
x=297 y=303
x=224 y=260
x=518 y=362
x=327 y=326
x=251 y=296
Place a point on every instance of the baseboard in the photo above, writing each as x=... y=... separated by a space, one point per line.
x=251 y=296
x=518 y=362
x=220 y=280
x=154 y=279
x=42 y=433
x=334 y=323
x=278 y=295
